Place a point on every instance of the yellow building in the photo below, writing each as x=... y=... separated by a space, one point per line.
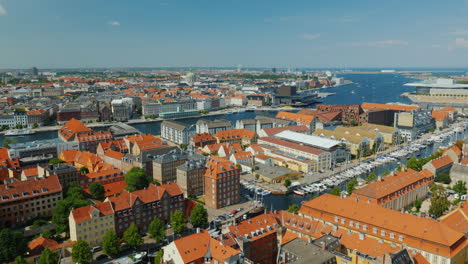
x=91 y=223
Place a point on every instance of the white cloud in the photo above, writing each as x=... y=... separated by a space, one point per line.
x=2 y=11
x=310 y=36
x=114 y=23
x=381 y=43
x=460 y=32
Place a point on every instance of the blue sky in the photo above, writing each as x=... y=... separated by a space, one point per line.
x=216 y=33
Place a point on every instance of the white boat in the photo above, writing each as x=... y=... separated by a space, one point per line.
x=266 y=192
x=19 y=132
x=297 y=192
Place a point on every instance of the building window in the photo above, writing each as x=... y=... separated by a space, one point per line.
x=382 y=233
x=374 y=230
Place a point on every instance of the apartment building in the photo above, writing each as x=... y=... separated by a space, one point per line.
x=414 y=123
x=189 y=177
x=175 y=132
x=242 y=136
x=205 y=250
x=257 y=238
x=91 y=223
x=23 y=201
x=212 y=127
x=165 y=166
x=142 y=206
x=221 y=183
x=349 y=113
x=202 y=139
x=38 y=148
x=66 y=174
x=398 y=190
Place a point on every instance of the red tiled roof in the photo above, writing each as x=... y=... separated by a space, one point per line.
x=72 y=127
x=235 y=134
x=441 y=162
x=26 y=189
x=275 y=130
x=281 y=142
x=194 y=252
x=84 y=213
x=396 y=107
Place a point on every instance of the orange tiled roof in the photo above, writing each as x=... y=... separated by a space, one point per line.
x=455 y=149
x=84 y=213
x=34 y=187
x=275 y=130
x=30 y=172
x=390 y=185
x=448 y=108
x=457 y=219
x=439 y=115
x=242 y=155
x=395 y=107
x=201 y=137
x=299 y=118
x=441 y=162
x=235 y=134
x=150 y=194
x=216 y=165
x=267 y=222
x=72 y=127
x=194 y=252
x=422 y=233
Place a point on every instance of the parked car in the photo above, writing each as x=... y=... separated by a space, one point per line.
x=240 y=209
x=101 y=257
x=234 y=211
x=96 y=249
x=229 y=215
x=222 y=217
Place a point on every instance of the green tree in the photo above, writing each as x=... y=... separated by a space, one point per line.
x=178 y=221
x=55 y=161
x=74 y=199
x=183 y=146
x=97 y=190
x=443 y=178
x=418 y=204
x=239 y=166
x=336 y=191
x=136 y=179
x=439 y=203
x=399 y=168
x=48 y=257
x=35 y=125
x=460 y=187
x=287 y=182
x=132 y=237
x=12 y=244
x=371 y=177
x=156 y=229
x=84 y=170
x=351 y=186
x=159 y=256
x=415 y=164
x=19 y=260
x=293 y=208
x=199 y=216
x=110 y=243
x=7 y=141
x=81 y=252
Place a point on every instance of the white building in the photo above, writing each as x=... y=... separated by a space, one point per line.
x=122 y=109
x=175 y=132
x=411 y=124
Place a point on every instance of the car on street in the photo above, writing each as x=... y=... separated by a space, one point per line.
x=96 y=249
x=234 y=211
x=229 y=215
x=240 y=209
x=101 y=257
x=216 y=219
x=222 y=217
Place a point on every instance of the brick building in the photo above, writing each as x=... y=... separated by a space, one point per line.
x=222 y=183
x=349 y=113
x=257 y=238
x=23 y=201
x=142 y=206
